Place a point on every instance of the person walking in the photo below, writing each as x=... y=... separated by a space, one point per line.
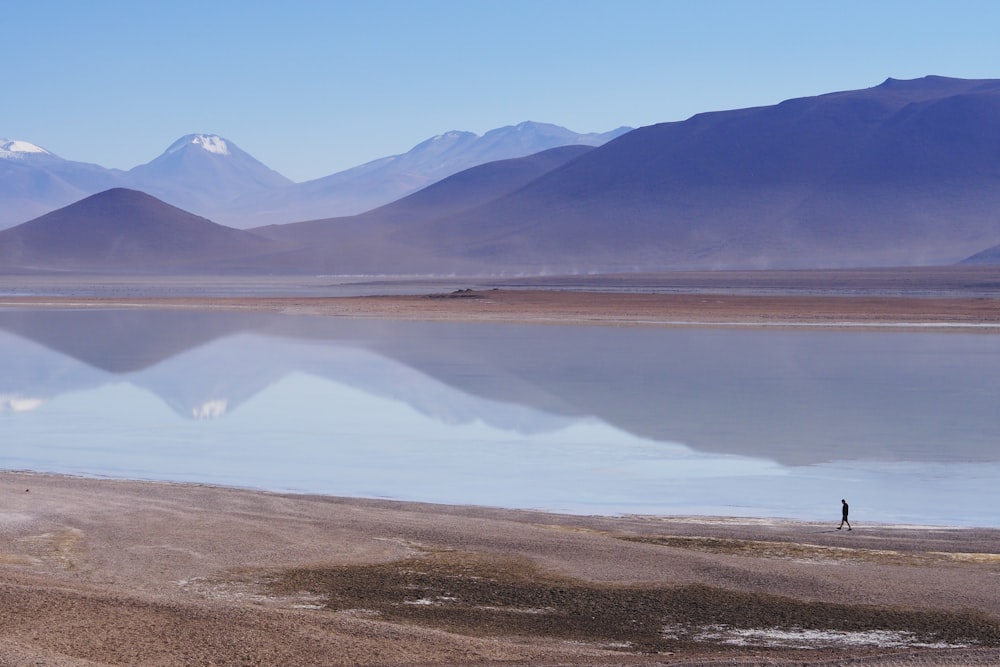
x=843 y=515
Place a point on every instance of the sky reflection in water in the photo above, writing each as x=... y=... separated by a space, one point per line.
x=577 y=419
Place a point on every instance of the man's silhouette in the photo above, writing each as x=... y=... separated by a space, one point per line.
x=843 y=516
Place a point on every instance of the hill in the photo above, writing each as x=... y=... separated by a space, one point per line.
x=123 y=230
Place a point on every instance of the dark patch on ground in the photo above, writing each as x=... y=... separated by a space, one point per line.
x=801 y=551
x=457 y=294
x=481 y=596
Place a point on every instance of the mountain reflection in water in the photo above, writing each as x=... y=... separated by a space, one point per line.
x=584 y=419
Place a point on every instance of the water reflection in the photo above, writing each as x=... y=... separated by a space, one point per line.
x=591 y=419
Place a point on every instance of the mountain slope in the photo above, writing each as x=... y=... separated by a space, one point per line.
x=905 y=173
x=34 y=181
x=119 y=230
x=203 y=173
x=362 y=243
x=387 y=179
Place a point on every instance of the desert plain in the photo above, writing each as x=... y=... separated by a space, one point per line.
x=118 y=572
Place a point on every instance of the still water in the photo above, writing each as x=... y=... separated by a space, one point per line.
x=603 y=420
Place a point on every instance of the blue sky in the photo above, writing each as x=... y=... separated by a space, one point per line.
x=313 y=87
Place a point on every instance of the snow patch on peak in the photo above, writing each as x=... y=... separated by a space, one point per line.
x=18 y=403
x=212 y=143
x=211 y=409
x=12 y=148
x=454 y=134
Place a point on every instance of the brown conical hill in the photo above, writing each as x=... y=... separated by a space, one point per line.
x=124 y=230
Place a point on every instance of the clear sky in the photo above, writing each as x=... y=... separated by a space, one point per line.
x=314 y=87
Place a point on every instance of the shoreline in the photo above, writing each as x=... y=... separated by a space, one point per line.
x=552 y=307
x=935 y=296
x=720 y=520
x=701 y=519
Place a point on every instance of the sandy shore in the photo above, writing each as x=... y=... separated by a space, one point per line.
x=576 y=307
x=962 y=297
x=130 y=573
x=101 y=572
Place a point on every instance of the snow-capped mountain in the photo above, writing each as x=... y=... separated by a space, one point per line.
x=387 y=179
x=203 y=173
x=12 y=149
x=208 y=142
x=34 y=181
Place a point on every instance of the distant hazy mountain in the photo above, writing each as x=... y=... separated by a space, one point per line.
x=905 y=173
x=203 y=173
x=385 y=180
x=123 y=230
x=34 y=181
x=346 y=245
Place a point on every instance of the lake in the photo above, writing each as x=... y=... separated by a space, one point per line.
x=596 y=420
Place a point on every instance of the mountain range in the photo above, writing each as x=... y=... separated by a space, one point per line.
x=211 y=176
x=387 y=179
x=905 y=173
